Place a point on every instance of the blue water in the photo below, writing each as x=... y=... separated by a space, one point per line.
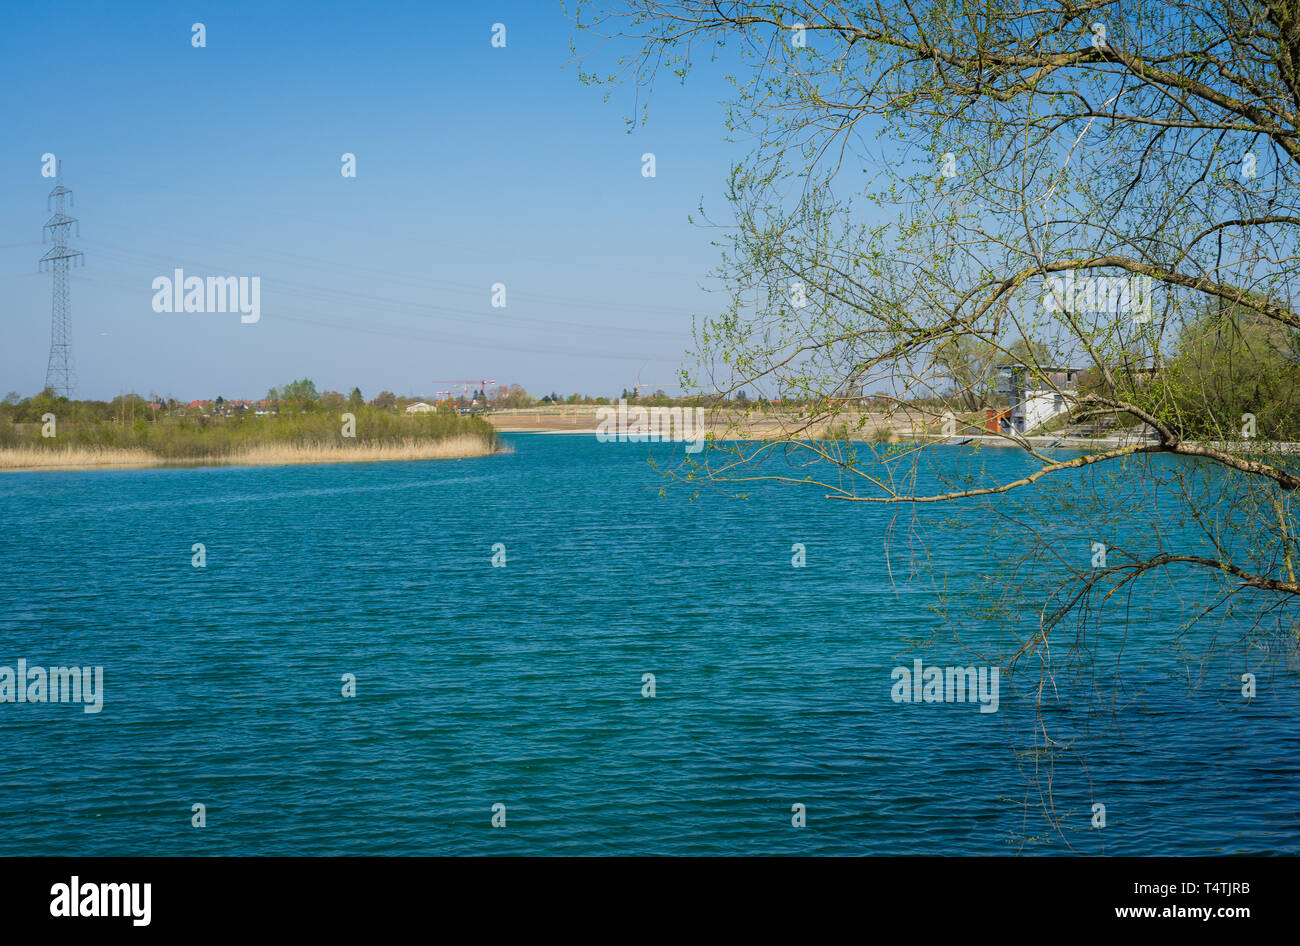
x=522 y=685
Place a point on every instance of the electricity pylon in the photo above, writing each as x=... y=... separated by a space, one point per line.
x=60 y=374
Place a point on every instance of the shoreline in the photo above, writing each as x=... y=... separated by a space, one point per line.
x=461 y=447
x=1039 y=441
x=73 y=459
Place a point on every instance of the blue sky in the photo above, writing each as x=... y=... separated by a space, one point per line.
x=475 y=165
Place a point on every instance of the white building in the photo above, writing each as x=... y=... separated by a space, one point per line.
x=1032 y=407
x=1041 y=406
x=419 y=407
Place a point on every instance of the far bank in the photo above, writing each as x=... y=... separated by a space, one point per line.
x=68 y=436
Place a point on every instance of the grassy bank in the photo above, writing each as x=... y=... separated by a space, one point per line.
x=301 y=437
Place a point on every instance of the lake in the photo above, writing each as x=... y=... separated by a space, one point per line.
x=522 y=685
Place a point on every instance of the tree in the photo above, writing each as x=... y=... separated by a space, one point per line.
x=516 y=397
x=1230 y=361
x=301 y=393
x=355 y=400
x=972 y=365
x=1054 y=184
x=385 y=400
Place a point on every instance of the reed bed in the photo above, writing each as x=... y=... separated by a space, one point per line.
x=74 y=458
x=460 y=446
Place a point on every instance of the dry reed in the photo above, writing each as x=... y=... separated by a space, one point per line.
x=16 y=459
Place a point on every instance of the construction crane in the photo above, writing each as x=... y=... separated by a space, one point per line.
x=481 y=383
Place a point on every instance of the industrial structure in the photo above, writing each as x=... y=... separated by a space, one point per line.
x=1034 y=396
x=60 y=373
x=481 y=388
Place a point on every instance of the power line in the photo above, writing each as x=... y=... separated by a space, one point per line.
x=127 y=254
x=309 y=292
x=377 y=328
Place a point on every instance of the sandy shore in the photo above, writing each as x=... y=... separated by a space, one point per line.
x=542 y=430
x=27 y=459
x=583 y=419
x=864 y=427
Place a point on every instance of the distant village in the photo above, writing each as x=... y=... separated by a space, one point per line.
x=1029 y=403
x=302 y=394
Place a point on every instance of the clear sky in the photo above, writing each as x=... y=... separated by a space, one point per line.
x=474 y=165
